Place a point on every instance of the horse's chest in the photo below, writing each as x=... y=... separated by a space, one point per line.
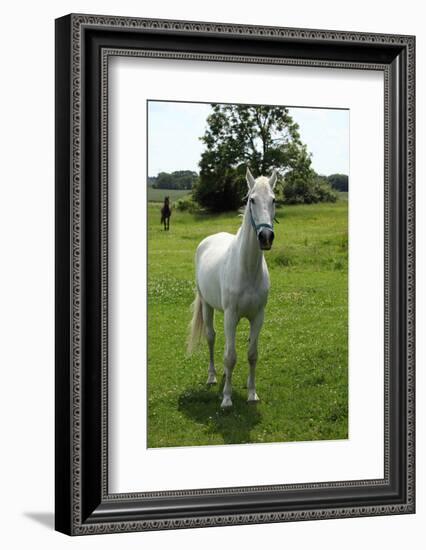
x=251 y=299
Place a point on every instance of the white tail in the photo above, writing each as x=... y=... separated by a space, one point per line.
x=196 y=326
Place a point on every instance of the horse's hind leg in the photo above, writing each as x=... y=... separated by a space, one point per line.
x=208 y=317
x=255 y=326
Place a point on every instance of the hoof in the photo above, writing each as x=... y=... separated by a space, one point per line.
x=226 y=403
x=211 y=380
x=253 y=398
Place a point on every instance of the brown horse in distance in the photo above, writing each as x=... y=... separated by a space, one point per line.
x=166 y=212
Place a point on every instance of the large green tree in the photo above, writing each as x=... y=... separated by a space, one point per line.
x=261 y=137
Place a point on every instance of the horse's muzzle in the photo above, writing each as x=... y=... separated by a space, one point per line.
x=266 y=238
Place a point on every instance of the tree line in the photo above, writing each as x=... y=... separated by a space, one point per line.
x=180 y=179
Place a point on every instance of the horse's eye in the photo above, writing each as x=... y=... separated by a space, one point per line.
x=252 y=201
x=273 y=201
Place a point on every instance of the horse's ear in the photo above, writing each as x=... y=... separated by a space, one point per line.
x=250 y=179
x=273 y=179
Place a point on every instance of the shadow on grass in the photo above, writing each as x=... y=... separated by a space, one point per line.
x=202 y=405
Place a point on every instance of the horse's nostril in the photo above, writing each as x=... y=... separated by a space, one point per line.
x=266 y=235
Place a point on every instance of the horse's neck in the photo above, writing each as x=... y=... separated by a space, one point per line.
x=250 y=254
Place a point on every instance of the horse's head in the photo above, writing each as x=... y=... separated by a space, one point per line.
x=261 y=207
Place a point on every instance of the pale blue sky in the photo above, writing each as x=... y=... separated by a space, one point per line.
x=174 y=129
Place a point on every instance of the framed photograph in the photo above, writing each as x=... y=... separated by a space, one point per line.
x=234 y=274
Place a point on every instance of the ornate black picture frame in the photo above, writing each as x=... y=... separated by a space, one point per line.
x=83 y=45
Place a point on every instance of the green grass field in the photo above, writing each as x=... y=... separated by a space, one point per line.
x=157 y=195
x=302 y=372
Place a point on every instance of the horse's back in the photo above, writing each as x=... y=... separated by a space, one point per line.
x=212 y=250
x=210 y=258
x=217 y=242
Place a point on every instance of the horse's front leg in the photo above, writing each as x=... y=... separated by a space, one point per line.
x=230 y=358
x=255 y=326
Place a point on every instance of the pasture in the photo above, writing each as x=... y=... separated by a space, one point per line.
x=157 y=195
x=302 y=372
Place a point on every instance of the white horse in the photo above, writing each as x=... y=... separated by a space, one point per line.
x=232 y=276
